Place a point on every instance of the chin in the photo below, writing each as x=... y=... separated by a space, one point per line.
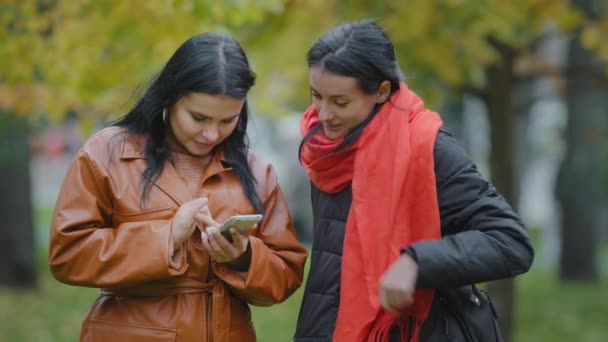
x=333 y=135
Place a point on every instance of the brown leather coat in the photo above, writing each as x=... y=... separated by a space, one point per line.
x=101 y=237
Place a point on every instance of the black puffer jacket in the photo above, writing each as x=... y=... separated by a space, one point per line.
x=483 y=240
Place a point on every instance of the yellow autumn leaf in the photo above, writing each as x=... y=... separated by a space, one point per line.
x=591 y=36
x=602 y=50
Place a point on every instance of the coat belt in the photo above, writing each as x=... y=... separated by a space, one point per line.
x=220 y=301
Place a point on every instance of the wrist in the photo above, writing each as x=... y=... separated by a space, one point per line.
x=242 y=262
x=410 y=252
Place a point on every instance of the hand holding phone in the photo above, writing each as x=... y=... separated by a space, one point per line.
x=229 y=248
x=242 y=223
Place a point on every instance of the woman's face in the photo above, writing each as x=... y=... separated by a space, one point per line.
x=340 y=101
x=199 y=121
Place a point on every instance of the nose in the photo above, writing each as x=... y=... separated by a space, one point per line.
x=324 y=113
x=211 y=134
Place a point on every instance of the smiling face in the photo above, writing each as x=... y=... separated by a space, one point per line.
x=340 y=101
x=199 y=121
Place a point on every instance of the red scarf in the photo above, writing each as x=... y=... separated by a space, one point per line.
x=394 y=204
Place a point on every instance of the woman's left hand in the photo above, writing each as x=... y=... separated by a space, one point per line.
x=398 y=284
x=222 y=250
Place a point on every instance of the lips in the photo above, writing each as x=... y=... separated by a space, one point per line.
x=204 y=145
x=332 y=127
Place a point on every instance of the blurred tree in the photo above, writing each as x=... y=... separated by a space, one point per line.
x=579 y=176
x=17 y=237
x=84 y=56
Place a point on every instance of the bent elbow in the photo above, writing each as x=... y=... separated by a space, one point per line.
x=58 y=272
x=64 y=270
x=55 y=265
x=522 y=262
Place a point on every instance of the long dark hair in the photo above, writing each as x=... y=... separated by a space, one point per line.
x=210 y=63
x=362 y=50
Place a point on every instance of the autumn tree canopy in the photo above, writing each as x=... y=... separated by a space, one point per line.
x=438 y=42
x=89 y=56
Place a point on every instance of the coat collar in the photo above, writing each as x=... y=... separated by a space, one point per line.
x=169 y=181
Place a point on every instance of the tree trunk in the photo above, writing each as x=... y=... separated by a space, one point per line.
x=577 y=186
x=17 y=239
x=499 y=95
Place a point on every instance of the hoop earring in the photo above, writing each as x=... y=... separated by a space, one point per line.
x=165 y=116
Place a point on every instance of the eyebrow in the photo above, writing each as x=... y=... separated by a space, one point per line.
x=334 y=95
x=203 y=115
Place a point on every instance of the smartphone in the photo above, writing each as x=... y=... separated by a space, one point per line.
x=242 y=223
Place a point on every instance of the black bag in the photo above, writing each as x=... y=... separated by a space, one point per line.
x=473 y=311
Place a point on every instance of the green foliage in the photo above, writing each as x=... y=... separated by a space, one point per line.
x=89 y=55
x=448 y=42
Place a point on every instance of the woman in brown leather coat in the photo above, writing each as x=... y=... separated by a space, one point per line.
x=138 y=210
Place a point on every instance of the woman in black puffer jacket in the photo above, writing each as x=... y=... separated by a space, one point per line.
x=404 y=223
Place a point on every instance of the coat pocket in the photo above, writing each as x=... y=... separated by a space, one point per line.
x=94 y=330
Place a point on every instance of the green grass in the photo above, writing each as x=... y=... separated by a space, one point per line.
x=546 y=310
x=278 y=322
x=51 y=313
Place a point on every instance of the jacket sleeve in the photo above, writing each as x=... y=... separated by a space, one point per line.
x=277 y=257
x=483 y=239
x=86 y=249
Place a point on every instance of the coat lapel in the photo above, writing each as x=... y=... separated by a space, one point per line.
x=173 y=185
x=169 y=181
x=218 y=164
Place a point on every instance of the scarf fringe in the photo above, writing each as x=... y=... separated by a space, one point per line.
x=409 y=329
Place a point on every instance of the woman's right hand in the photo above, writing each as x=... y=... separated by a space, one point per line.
x=398 y=284
x=184 y=221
